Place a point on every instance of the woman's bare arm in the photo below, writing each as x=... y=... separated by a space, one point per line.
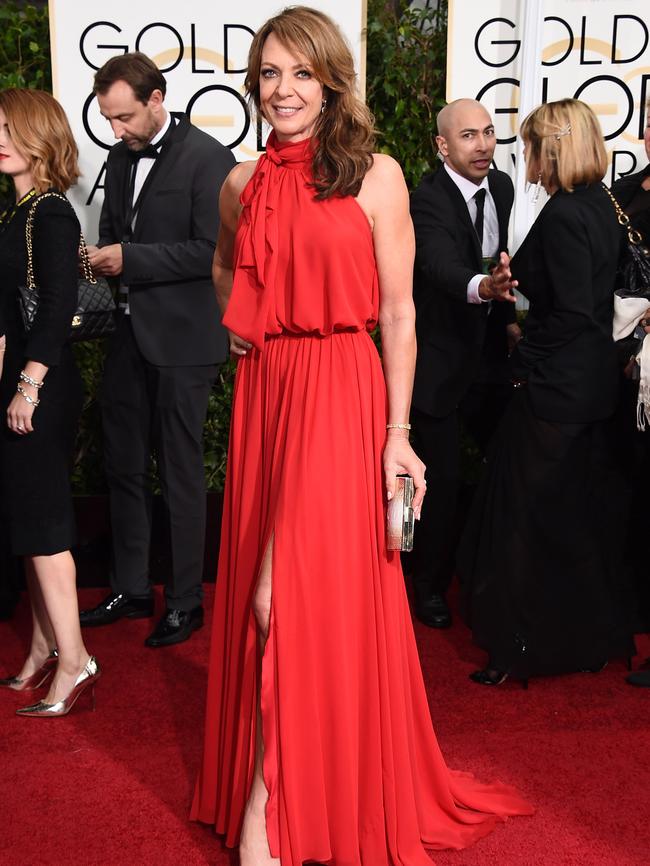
x=222 y=263
x=384 y=198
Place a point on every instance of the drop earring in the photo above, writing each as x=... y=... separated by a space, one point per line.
x=322 y=106
x=537 y=189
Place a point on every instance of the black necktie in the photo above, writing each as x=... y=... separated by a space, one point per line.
x=479 y=198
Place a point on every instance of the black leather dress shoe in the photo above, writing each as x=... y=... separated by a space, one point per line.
x=639 y=678
x=494 y=677
x=175 y=627
x=433 y=611
x=489 y=677
x=114 y=607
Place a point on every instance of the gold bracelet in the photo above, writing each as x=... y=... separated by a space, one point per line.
x=398 y=426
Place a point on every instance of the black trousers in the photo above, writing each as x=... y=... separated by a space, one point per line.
x=155 y=410
x=437 y=442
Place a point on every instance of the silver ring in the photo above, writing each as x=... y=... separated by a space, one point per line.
x=20 y=427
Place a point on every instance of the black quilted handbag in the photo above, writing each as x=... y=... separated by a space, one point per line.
x=95 y=314
x=633 y=274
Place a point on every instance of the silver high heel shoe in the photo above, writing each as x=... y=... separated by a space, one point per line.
x=35 y=680
x=86 y=679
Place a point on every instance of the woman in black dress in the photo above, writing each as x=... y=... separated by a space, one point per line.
x=537 y=559
x=633 y=191
x=632 y=446
x=41 y=394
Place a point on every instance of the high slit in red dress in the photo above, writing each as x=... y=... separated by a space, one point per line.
x=351 y=762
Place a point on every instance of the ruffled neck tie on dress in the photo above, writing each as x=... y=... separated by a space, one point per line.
x=257 y=235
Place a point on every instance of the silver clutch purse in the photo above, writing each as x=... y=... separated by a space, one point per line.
x=399 y=516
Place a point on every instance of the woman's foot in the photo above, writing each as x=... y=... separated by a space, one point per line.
x=37 y=668
x=85 y=681
x=254 y=844
x=65 y=680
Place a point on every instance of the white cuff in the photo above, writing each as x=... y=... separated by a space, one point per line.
x=473 y=296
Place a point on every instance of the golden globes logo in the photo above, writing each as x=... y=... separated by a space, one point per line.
x=572 y=54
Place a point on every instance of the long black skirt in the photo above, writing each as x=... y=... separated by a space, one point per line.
x=540 y=559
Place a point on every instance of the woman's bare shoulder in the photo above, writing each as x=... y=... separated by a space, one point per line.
x=385 y=169
x=239 y=177
x=231 y=190
x=384 y=177
x=383 y=182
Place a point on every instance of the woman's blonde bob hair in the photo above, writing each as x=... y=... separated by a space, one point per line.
x=565 y=145
x=344 y=131
x=40 y=131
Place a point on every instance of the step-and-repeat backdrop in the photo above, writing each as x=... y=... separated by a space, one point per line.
x=594 y=50
x=200 y=47
x=515 y=54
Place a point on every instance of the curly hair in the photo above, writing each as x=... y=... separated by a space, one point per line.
x=565 y=143
x=39 y=128
x=344 y=132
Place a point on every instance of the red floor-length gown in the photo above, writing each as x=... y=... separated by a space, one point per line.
x=351 y=762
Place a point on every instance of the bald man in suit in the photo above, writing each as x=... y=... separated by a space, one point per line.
x=465 y=323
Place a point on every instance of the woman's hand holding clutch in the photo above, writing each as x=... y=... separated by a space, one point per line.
x=401 y=459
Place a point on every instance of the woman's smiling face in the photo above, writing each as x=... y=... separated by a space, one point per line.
x=291 y=97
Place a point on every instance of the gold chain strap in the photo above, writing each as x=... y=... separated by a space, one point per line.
x=634 y=237
x=29 y=226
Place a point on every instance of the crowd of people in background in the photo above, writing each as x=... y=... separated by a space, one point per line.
x=289 y=262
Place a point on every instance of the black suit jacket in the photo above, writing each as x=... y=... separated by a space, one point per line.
x=167 y=264
x=566 y=268
x=452 y=335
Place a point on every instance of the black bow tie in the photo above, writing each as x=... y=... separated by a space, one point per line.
x=151 y=151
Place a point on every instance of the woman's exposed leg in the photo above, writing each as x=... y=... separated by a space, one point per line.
x=254 y=845
x=56 y=578
x=43 y=641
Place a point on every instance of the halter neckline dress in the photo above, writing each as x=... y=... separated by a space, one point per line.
x=351 y=762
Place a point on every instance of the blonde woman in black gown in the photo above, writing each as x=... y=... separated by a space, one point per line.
x=538 y=557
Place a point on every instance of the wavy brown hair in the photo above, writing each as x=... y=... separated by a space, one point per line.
x=39 y=128
x=344 y=133
x=565 y=144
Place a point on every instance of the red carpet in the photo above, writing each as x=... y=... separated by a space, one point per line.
x=113 y=787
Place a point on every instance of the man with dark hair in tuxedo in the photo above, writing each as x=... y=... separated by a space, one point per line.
x=460 y=214
x=157 y=236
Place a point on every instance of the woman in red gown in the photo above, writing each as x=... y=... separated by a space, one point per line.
x=319 y=744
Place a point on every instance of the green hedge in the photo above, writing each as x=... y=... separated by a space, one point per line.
x=405 y=83
x=405 y=87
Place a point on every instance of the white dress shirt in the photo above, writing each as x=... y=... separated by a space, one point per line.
x=468 y=190
x=142 y=168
